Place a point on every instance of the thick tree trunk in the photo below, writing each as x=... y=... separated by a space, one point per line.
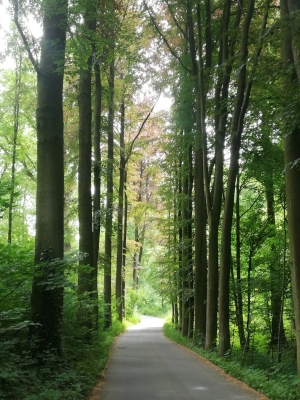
x=290 y=50
x=86 y=277
x=200 y=245
x=47 y=305
x=215 y=210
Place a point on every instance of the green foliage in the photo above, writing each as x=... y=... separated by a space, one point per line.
x=22 y=376
x=145 y=301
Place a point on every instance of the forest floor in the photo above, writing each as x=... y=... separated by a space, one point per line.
x=146 y=365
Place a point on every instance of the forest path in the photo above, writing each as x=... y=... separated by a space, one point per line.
x=144 y=365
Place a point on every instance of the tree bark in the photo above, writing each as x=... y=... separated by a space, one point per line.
x=86 y=275
x=239 y=297
x=14 y=149
x=124 y=246
x=241 y=103
x=97 y=188
x=109 y=199
x=292 y=170
x=120 y=218
x=47 y=305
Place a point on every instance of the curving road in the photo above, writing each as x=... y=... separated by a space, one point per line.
x=144 y=365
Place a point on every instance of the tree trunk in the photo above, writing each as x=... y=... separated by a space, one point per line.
x=215 y=210
x=240 y=107
x=120 y=219
x=85 y=276
x=239 y=297
x=190 y=243
x=97 y=188
x=47 y=305
x=109 y=200
x=275 y=272
x=200 y=245
x=292 y=170
x=124 y=247
x=186 y=244
x=14 y=149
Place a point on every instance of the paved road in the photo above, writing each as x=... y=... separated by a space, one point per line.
x=144 y=365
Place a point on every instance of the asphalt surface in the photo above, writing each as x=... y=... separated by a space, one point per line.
x=144 y=365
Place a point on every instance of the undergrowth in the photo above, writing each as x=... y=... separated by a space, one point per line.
x=24 y=377
x=276 y=381
x=70 y=378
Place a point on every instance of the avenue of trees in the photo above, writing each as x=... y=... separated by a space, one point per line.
x=109 y=207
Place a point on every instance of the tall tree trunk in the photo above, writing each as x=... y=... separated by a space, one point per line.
x=200 y=244
x=135 y=272
x=275 y=272
x=97 y=187
x=290 y=50
x=47 y=305
x=109 y=199
x=85 y=276
x=185 y=257
x=241 y=104
x=200 y=212
x=190 y=243
x=120 y=218
x=14 y=149
x=239 y=297
x=214 y=211
x=180 y=253
x=124 y=246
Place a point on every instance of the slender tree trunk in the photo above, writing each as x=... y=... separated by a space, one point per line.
x=47 y=305
x=124 y=246
x=120 y=219
x=135 y=271
x=180 y=253
x=109 y=200
x=97 y=187
x=14 y=149
x=187 y=259
x=200 y=212
x=85 y=277
x=241 y=103
x=275 y=272
x=190 y=241
x=283 y=285
x=239 y=297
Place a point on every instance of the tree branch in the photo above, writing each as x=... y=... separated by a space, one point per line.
x=140 y=130
x=11 y=292
x=25 y=41
x=164 y=38
x=177 y=23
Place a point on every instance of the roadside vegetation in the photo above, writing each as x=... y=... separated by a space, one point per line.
x=256 y=368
